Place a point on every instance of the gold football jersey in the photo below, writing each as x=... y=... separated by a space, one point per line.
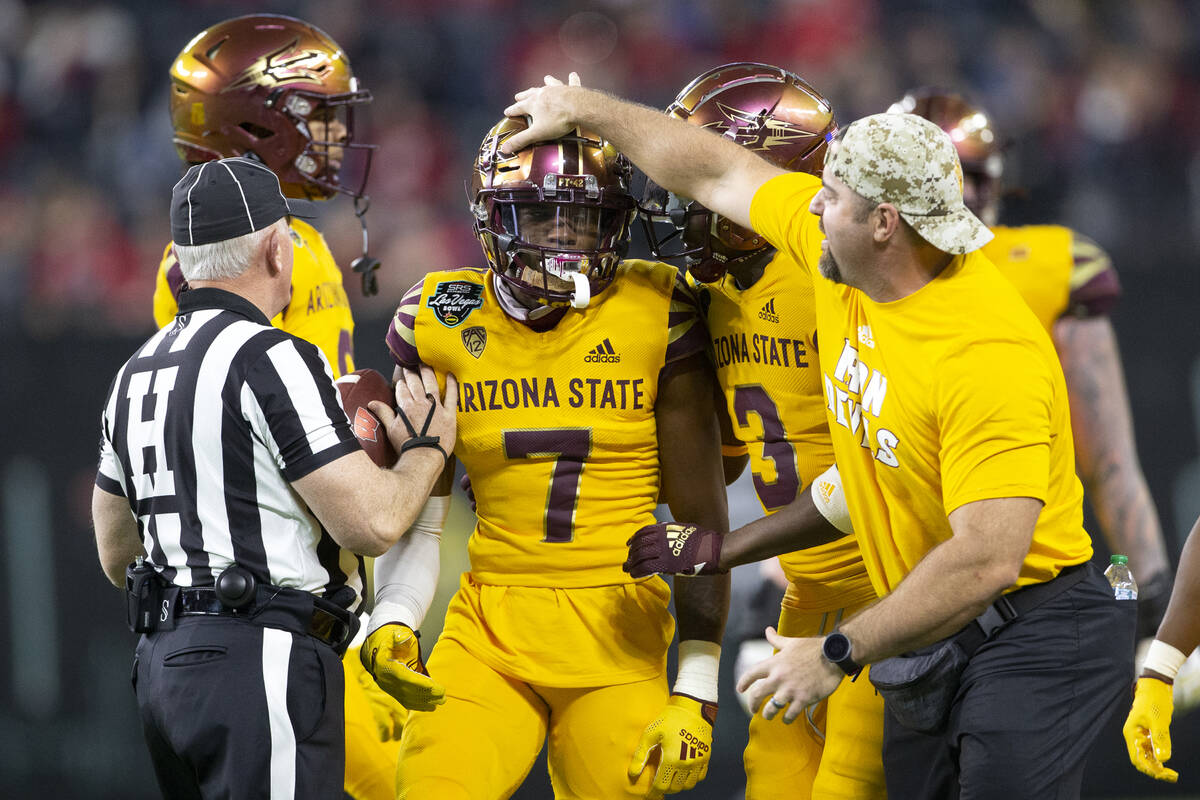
x=1056 y=270
x=950 y=395
x=763 y=345
x=319 y=311
x=556 y=429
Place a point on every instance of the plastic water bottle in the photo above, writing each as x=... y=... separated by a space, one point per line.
x=1121 y=579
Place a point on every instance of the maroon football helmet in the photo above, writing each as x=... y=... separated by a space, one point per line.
x=276 y=89
x=559 y=209
x=979 y=146
x=763 y=108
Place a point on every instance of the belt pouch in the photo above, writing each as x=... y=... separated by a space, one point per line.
x=918 y=688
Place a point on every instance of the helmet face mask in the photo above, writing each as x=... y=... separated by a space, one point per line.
x=278 y=90
x=763 y=108
x=331 y=159
x=681 y=229
x=552 y=216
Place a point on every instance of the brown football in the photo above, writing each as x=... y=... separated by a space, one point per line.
x=357 y=389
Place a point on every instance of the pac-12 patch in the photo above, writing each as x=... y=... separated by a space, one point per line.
x=453 y=301
x=475 y=339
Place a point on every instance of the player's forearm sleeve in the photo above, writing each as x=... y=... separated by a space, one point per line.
x=406 y=575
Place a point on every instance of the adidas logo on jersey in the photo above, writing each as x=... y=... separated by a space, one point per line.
x=864 y=336
x=603 y=353
x=768 y=311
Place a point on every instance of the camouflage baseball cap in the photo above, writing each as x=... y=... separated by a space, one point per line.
x=911 y=163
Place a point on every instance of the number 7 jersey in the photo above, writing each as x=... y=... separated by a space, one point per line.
x=556 y=429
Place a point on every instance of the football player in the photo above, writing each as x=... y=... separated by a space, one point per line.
x=759 y=308
x=280 y=91
x=586 y=391
x=1070 y=284
x=1147 y=729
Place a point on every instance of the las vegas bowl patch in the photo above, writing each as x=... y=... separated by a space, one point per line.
x=453 y=301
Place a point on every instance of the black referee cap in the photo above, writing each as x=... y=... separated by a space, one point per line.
x=220 y=200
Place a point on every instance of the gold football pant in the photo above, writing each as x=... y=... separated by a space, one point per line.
x=482 y=743
x=833 y=750
x=370 y=762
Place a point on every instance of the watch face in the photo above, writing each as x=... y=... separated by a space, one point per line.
x=836 y=647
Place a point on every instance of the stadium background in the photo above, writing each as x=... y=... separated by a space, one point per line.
x=1101 y=102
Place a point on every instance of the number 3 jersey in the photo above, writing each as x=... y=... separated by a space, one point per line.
x=762 y=341
x=557 y=432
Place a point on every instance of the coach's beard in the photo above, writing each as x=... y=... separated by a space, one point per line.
x=828 y=266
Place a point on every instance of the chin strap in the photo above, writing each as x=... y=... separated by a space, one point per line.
x=583 y=291
x=365 y=265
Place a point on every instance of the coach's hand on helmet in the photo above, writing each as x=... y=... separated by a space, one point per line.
x=1147 y=729
x=392 y=654
x=424 y=417
x=546 y=108
x=673 y=548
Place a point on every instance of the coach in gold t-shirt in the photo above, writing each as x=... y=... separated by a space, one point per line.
x=950 y=426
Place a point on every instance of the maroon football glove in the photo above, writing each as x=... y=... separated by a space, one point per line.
x=673 y=548
x=465 y=483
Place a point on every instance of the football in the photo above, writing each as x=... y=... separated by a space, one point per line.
x=357 y=389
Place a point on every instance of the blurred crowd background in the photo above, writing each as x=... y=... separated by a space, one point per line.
x=1098 y=99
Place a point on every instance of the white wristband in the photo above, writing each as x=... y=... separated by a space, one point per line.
x=830 y=500
x=1164 y=659
x=699 y=662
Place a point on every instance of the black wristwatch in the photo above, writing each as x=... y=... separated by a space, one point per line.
x=836 y=648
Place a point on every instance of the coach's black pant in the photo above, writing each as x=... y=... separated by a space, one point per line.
x=234 y=710
x=1031 y=701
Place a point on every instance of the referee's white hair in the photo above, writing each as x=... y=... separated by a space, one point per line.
x=226 y=259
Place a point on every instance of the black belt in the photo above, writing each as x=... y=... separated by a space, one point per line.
x=292 y=609
x=1012 y=605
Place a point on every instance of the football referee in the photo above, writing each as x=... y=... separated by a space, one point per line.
x=252 y=506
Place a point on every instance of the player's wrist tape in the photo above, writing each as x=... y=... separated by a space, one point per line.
x=830 y=500
x=734 y=450
x=699 y=663
x=1164 y=659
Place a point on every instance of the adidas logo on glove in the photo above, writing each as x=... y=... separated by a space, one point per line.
x=678 y=536
x=690 y=746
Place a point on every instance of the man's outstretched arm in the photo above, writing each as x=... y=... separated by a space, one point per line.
x=684 y=159
x=692 y=549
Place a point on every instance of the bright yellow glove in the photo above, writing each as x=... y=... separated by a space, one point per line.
x=1147 y=729
x=392 y=655
x=683 y=735
x=389 y=716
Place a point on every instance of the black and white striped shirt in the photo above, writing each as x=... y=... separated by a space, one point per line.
x=203 y=430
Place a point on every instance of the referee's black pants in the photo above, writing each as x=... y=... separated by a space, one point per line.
x=1031 y=702
x=231 y=709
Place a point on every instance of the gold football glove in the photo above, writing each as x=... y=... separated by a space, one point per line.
x=1147 y=729
x=392 y=655
x=683 y=735
x=389 y=715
